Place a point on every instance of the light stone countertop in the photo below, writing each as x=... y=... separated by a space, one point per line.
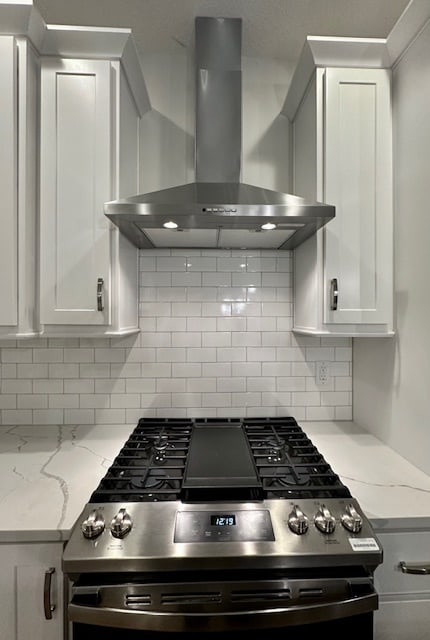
x=47 y=474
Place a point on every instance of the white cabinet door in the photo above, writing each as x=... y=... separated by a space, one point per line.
x=358 y=159
x=404 y=598
x=342 y=150
x=22 y=590
x=76 y=105
x=19 y=110
x=8 y=181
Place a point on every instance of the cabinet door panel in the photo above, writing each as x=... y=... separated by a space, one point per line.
x=22 y=614
x=8 y=181
x=358 y=242
x=402 y=620
x=75 y=182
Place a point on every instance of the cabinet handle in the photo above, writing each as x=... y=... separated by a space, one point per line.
x=100 y=294
x=334 y=292
x=417 y=568
x=48 y=607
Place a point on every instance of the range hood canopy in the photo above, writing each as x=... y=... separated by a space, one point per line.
x=218 y=211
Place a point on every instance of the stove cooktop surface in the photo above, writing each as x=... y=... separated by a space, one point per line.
x=218 y=459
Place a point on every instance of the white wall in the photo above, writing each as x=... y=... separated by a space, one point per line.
x=167 y=140
x=392 y=377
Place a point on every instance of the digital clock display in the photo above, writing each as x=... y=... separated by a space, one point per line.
x=223 y=520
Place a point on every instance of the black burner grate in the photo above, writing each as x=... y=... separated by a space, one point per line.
x=150 y=467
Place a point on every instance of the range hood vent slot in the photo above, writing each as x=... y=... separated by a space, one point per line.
x=218 y=210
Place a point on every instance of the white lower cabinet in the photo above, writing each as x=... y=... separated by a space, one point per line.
x=89 y=155
x=31 y=591
x=404 y=599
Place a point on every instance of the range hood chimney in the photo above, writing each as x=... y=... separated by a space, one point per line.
x=218 y=210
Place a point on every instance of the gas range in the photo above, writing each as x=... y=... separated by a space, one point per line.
x=231 y=502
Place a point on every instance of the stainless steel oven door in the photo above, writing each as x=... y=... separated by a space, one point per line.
x=218 y=607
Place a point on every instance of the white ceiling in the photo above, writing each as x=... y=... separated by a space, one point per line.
x=271 y=28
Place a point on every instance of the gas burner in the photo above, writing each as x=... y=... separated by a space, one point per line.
x=276 y=452
x=160 y=447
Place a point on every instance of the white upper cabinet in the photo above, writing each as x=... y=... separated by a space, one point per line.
x=19 y=81
x=72 y=99
x=342 y=155
x=75 y=175
x=90 y=117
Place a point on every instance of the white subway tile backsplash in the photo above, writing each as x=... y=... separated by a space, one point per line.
x=187 y=370
x=172 y=385
x=105 y=385
x=233 y=385
x=246 y=339
x=199 y=385
x=125 y=400
x=216 y=340
x=216 y=279
x=58 y=386
x=94 y=400
x=78 y=355
x=18 y=416
x=202 y=354
x=16 y=386
x=217 y=369
x=63 y=371
x=48 y=416
x=137 y=385
x=17 y=355
x=31 y=371
x=172 y=264
x=8 y=401
x=187 y=279
x=320 y=413
x=96 y=370
x=197 y=263
x=248 y=369
x=79 y=416
x=32 y=401
x=261 y=384
x=177 y=354
x=186 y=339
x=48 y=355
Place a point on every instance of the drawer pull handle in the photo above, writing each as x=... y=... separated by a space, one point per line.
x=48 y=607
x=334 y=294
x=415 y=568
x=100 y=294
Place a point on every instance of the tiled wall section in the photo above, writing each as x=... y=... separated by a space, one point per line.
x=215 y=340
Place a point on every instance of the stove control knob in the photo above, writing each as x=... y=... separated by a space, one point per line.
x=297 y=521
x=352 y=520
x=121 y=524
x=324 y=521
x=93 y=525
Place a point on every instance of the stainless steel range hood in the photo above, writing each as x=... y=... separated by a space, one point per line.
x=218 y=211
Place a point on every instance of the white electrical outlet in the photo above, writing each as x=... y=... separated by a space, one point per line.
x=322 y=373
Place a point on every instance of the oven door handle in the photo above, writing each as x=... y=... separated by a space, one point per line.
x=154 y=620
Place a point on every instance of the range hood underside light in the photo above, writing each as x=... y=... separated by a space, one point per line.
x=217 y=238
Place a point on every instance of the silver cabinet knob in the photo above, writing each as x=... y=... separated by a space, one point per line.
x=121 y=524
x=297 y=521
x=351 y=520
x=93 y=525
x=324 y=521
